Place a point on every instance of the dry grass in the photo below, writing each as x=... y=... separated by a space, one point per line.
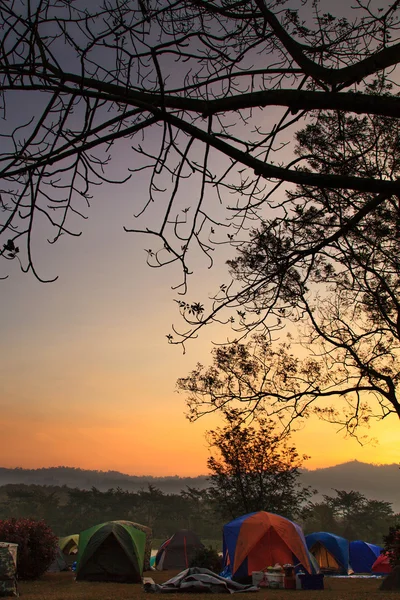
x=62 y=586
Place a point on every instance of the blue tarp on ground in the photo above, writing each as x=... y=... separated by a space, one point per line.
x=363 y=556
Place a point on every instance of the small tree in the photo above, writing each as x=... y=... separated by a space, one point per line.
x=255 y=469
x=392 y=545
x=37 y=545
x=207 y=558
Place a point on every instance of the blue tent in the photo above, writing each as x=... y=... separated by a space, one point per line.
x=363 y=556
x=331 y=552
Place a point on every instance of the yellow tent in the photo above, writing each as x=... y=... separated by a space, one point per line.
x=69 y=544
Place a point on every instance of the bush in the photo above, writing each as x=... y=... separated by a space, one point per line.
x=37 y=545
x=392 y=545
x=207 y=558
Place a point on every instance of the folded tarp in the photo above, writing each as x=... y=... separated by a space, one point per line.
x=198 y=580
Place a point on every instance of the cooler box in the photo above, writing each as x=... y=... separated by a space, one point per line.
x=275 y=579
x=312 y=582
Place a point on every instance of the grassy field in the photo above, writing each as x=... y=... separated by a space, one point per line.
x=62 y=586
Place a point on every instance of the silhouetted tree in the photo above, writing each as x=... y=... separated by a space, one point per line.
x=200 y=74
x=331 y=266
x=202 y=513
x=254 y=469
x=392 y=545
x=319 y=516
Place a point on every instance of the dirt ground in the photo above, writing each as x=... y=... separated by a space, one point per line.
x=62 y=586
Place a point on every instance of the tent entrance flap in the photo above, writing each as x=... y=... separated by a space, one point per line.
x=268 y=551
x=71 y=547
x=325 y=559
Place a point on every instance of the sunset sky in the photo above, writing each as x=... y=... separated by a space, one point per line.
x=87 y=378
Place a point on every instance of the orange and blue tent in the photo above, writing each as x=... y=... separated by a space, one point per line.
x=258 y=540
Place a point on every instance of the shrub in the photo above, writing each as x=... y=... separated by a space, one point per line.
x=207 y=558
x=37 y=545
x=392 y=545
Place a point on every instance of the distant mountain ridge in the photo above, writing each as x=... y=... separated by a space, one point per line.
x=102 y=480
x=376 y=482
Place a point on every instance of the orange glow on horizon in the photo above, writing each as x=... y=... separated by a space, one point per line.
x=165 y=445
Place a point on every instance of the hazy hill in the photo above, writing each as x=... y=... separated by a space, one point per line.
x=376 y=482
x=102 y=480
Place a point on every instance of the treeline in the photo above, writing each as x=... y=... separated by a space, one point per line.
x=371 y=480
x=350 y=515
x=68 y=510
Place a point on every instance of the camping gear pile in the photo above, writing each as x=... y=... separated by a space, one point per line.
x=8 y=569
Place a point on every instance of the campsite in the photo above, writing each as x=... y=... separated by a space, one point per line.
x=262 y=553
x=176 y=368
x=194 y=543
x=62 y=586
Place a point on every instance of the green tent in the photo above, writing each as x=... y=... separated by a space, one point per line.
x=149 y=541
x=112 y=551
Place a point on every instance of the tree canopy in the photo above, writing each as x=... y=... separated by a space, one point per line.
x=341 y=290
x=201 y=75
x=253 y=468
